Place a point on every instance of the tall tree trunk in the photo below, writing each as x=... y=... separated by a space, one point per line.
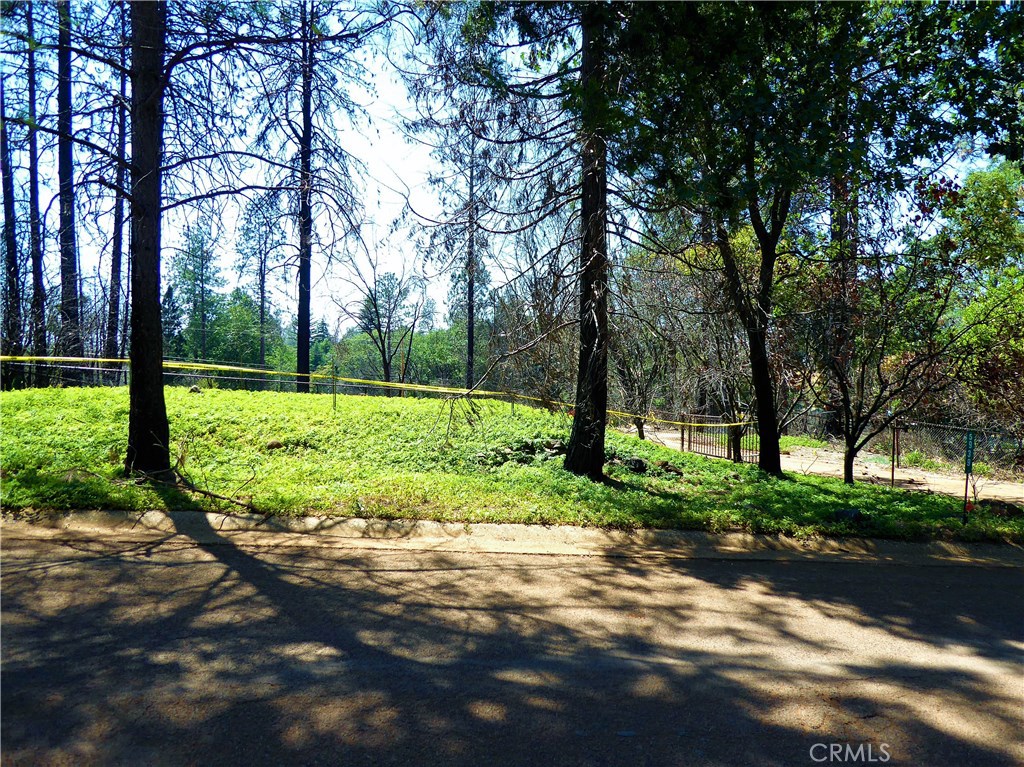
x=70 y=308
x=202 y=305
x=769 y=457
x=117 y=246
x=471 y=273
x=126 y=316
x=263 y=311
x=585 y=452
x=35 y=237
x=842 y=211
x=305 y=205
x=755 y=321
x=148 y=433
x=11 y=341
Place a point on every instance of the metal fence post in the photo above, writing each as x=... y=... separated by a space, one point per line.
x=892 y=477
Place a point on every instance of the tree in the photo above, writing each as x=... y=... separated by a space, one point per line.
x=901 y=344
x=467 y=308
x=110 y=345
x=70 y=310
x=456 y=120
x=545 y=65
x=11 y=332
x=727 y=120
x=640 y=350
x=731 y=87
x=148 y=431
x=585 y=451
x=534 y=347
x=985 y=223
x=235 y=332
x=196 y=277
x=387 y=311
x=37 y=308
x=303 y=79
x=172 y=318
x=260 y=243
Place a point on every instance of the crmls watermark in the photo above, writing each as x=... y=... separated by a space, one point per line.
x=848 y=753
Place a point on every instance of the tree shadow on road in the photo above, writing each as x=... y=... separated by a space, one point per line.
x=202 y=651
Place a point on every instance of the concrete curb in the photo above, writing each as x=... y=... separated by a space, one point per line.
x=424 y=535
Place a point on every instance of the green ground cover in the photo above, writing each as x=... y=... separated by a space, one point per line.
x=62 y=449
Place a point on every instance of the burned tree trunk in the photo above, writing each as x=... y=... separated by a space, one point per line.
x=148 y=433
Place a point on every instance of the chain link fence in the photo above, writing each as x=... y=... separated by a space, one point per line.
x=919 y=444
x=937 y=446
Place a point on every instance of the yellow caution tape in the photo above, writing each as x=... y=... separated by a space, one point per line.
x=180 y=365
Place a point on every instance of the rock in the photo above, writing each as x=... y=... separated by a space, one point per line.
x=636 y=465
x=274 y=445
x=668 y=467
x=1003 y=509
x=848 y=515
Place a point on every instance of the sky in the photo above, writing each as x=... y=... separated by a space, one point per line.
x=394 y=168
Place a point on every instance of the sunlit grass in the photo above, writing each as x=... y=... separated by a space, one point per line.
x=62 y=449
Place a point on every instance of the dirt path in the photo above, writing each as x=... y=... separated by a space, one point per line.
x=876 y=470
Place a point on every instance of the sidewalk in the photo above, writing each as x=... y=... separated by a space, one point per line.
x=454 y=537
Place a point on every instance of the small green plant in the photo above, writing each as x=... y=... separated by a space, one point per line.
x=981 y=469
x=918 y=460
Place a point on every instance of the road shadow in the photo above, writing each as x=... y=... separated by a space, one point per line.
x=194 y=650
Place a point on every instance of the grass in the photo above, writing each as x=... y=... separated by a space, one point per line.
x=787 y=443
x=62 y=449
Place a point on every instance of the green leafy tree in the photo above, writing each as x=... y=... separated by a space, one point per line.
x=172 y=321
x=728 y=121
x=321 y=352
x=261 y=243
x=985 y=223
x=196 y=278
x=235 y=329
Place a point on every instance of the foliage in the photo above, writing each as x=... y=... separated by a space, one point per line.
x=801 y=441
x=392 y=457
x=919 y=460
x=196 y=278
x=985 y=224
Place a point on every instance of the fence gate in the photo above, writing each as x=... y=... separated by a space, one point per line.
x=710 y=435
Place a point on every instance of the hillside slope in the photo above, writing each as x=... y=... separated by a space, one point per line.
x=62 y=449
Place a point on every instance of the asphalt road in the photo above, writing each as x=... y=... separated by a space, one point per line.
x=164 y=649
